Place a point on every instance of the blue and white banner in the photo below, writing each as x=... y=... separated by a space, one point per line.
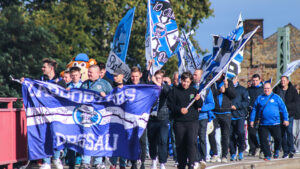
x=84 y=121
x=291 y=67
x=234 y=67
x=224 y=51
x=122 y=35
x=162 y=28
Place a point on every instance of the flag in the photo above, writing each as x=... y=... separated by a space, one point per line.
x=122 y=35
x=84 y=121
x=268 y=81
x=234 y=67
x=193 y=61
x=224 y=51
x=162 y=33
x=113 y=62
x=181 y=61
x=291 y=67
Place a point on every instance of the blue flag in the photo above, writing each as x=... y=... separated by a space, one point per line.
x=84 y=121
x=234 y=67
x=122 y=35
x=162 y=28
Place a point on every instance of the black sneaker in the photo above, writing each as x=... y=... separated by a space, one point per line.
x=291 y=155
x=285 y=156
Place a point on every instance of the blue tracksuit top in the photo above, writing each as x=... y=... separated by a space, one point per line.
x=208 y=105
x=271 y=112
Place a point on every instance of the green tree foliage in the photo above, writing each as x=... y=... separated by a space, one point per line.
x=22 y=47
x=63 y=28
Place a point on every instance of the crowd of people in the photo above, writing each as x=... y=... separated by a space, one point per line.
x=226 y=104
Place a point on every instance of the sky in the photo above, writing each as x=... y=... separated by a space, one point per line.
x=275 y=13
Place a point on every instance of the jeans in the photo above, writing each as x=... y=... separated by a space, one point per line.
x=297 y=134
x=114 y=160
x=173 y=141
x=287 y=137
x=55 y=157
x=202 y=140
x=237 y=136
x=87 y=160
x=186 y=142
x=158 y=139
x=275 y=132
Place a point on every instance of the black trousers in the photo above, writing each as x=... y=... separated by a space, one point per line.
x=275 y=132
x=158 y=131
x=237 y=136
x=186 y=142
x=224 y=121
x=252 y=139
x=202 y=140
x=143 y=141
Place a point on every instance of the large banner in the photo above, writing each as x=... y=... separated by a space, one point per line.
x=162 y=28
x=84 y=121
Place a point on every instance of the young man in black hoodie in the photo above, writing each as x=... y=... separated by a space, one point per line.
x=224 y=93
x=289 y=95
x=185 y=120
x=254 y=91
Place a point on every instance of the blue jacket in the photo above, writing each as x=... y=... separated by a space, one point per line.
x=208 y=105
x=241 y=102
x=271 y=112
x=100 y=85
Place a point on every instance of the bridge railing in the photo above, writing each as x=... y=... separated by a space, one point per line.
x=13 y=133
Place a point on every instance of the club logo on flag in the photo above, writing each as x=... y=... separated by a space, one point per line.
x=86 y=116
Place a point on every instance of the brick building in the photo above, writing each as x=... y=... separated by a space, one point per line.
x=260 y=55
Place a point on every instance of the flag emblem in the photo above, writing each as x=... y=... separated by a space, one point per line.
x=86 y=116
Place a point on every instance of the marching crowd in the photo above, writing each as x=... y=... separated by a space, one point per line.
x=269 y=114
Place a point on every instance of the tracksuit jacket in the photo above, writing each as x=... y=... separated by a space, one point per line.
x=272 y=111
x=241 y=102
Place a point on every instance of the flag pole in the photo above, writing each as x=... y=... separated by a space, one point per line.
x=150 y=33
x=192 y=57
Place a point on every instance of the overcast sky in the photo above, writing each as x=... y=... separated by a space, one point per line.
x=275 y=13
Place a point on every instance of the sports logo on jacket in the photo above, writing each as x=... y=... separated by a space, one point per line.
x=86 y=116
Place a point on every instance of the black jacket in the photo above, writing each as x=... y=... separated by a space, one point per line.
x=290 y=99
x=254 y=92
x=228 y=96
x=163 y=111
x=241 y=102
x=180 y=98
x=297 y=114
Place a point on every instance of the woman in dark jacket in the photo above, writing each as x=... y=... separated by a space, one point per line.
x=185 y=120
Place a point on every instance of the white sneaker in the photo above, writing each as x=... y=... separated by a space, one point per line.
x=196 y=165
x=224 y=160
x=45 y=166
x=153 y=165
x=215 y=158
x=162 y=166
x=58 y=164
x=202 y=164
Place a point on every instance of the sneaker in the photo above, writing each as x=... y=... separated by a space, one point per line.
x=129 y=164
x=84 y=166
x=291 y=155
x=233 y=156
x=153 y=165
x=261 y=155
x=285 y=155
x=142 y=166
x=162 y=166
x=100 y=166
x=202 y=164
x=58 y=164
x=196 y=165
x=45 y=166
x=214 y=159
x=224 y=160
x=257 y=152
x=267 y=158
x=207 y=159
x=176 y=164
x=276 y=154
x=241 y=156
x=112 y=167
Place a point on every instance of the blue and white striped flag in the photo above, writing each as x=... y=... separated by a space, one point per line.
x=84 y=121
x=224 y=51
x=234 y=67
x=162 y=29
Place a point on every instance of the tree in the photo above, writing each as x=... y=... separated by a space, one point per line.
x=22 y=47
